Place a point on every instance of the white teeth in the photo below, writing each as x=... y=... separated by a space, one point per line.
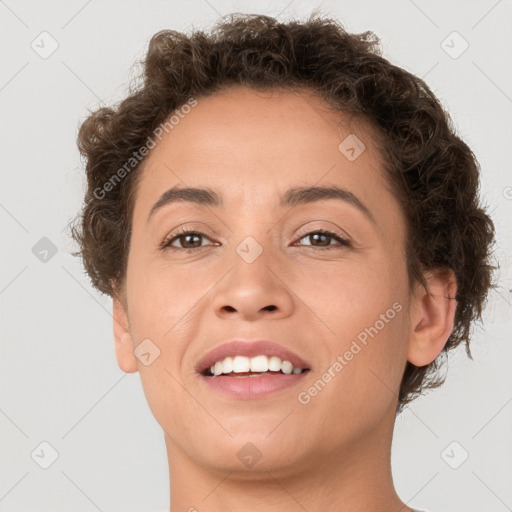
x=287 y=367
x=241 y=364
x=260 y=364
x=227 y=365
x=274 y=364
x=217 y=369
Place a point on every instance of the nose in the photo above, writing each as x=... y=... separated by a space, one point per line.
x=254 y=290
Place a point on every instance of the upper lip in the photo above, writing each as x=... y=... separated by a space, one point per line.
x=249 y=349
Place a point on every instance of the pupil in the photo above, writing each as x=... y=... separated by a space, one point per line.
x=188 y=237
x=316 y=235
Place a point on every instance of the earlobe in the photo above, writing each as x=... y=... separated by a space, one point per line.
x=124 y=354
x=123 y=343
x=432 y=319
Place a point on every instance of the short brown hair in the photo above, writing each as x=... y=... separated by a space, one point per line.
x=433 y=173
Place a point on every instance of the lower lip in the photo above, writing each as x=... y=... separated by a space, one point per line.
x=248 y=388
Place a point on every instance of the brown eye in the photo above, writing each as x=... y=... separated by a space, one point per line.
x=321 y=238
x=191 y=240
x=188 y=241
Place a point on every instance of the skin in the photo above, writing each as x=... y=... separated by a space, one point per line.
x=334 y=452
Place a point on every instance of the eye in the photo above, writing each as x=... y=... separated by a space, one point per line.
x=187 y=238
x=322 y=237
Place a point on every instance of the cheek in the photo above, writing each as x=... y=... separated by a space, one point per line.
x=162 y=298
x=161 y=302
x=349 y=295
x=363 y=329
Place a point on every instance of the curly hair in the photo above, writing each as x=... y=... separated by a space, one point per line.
x=432 y=172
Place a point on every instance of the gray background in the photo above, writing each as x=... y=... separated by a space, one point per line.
x=60 y=382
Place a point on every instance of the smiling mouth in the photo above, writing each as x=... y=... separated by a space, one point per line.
x=208 y=373
x=258 y=366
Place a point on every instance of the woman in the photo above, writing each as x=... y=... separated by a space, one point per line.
x=291 y=234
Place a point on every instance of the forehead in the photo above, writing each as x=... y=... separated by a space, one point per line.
x=289 y=123
x=252 y=144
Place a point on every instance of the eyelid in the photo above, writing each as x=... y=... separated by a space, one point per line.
x=335 y=230
x=177 y=233
x=199 y=227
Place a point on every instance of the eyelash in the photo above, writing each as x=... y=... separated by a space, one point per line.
x=166 y=244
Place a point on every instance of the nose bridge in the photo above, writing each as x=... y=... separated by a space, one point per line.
x=255 y=256
x=252 y=283
x=253 y=234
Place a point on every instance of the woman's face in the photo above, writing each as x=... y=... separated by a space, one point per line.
x=261 y=271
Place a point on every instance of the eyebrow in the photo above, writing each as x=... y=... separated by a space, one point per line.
x=292 y=197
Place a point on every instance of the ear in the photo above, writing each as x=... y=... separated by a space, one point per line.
x=122 y=339
x=432 y=317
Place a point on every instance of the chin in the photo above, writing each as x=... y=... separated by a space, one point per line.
x=250 y=453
